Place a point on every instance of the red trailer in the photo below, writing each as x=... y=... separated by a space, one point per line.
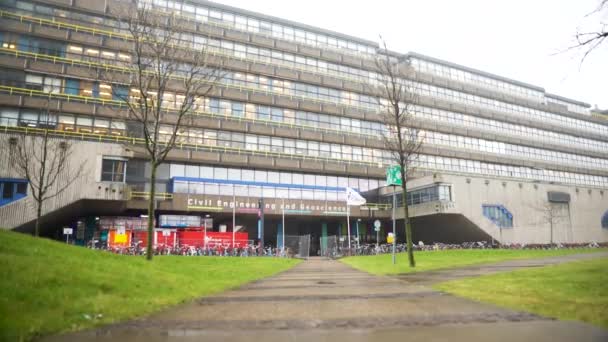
x=197 y=238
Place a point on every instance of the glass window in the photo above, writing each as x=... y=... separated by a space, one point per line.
x=234 y=174
x=176 y=170
x=285 y=178
x=273 y=177
x=297 y=179
x=261 y=176
x=113 y=170
x=206 y=172
x=220 y=173
x=7 y=190
x=248 y=175
x=9 y=117
x=192 y=171
x=237 y=109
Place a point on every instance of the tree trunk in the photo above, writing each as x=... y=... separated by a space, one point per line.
x=151 y=202
x=408 y=228
x=38 y=214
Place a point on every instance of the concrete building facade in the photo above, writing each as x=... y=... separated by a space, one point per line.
x=295 y=121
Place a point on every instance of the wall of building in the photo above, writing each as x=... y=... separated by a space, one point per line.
x=527 y=202
x=87 y=186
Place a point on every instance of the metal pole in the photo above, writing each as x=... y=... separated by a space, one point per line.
x=348 y=225
x=358 y=237
x=394 y=226
x=283 y=227
x=205 y=235
x=233 y=215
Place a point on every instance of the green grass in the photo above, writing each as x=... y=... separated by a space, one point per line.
x=434 y=260
x=571 y=291
x=49 y=287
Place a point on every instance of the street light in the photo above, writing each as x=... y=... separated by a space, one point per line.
x=205 y=230
x=233 y=215
x=358 y=237
x=283 y=225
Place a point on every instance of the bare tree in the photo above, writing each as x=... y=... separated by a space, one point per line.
x=44 y=162
x=552 y=214
x=590 y=40
x=402 y=139
x=169 y=80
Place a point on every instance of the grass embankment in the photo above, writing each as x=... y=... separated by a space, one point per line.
x=572 y=291
x=434 y=260
x=49 y=287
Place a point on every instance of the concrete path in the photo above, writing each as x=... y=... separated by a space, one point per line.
x=324 y=300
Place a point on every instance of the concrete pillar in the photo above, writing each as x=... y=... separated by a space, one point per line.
x=324 y=236
x=280 y=235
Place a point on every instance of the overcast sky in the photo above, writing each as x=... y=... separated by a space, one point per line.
x=519 y=39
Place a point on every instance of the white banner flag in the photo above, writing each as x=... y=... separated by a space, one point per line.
x=353 y=197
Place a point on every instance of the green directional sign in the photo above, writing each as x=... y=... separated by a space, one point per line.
x=393 y=175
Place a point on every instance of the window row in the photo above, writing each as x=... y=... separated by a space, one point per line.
x=498 y=214
x=519 y=151
x=12 y=189
x=442 y=192
x=64 y=122
x=205 y=15
x=37 y=45
x=455 y=165
x=355 y=99
x=504 y=128
x=475 y=79
x=575 y=108
x=71 y=86
x=256 y=112
x=257 y=191
x=347 y=152
x=252 y=142
x=251 y=111
x=304 y=148
x=274 y=178
x=521 y=111
x=309 y=91
x=241 y=22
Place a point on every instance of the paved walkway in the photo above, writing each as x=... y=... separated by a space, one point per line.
x=324 y=300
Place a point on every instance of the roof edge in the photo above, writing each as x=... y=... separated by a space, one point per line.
x=476 y=71
x=284 y=21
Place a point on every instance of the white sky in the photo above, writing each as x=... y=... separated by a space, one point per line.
x=518 y=39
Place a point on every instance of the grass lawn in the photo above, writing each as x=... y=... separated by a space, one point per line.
x=571 y=291
x=49 y=287
x=434 y=260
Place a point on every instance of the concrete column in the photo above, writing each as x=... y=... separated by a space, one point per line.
x=280 y=235
x=324 y=236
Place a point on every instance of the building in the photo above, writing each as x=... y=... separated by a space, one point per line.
x=291 y=128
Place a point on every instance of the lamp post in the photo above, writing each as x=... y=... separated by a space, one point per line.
x=283 y=226
x=358 y=237
x=233 y=215
x=205 y=230
x=394 y=225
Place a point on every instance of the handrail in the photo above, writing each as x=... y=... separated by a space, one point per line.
x=30 y=92
x=146 y=195
x=58 y=24
x=70 y=61
x=196 y=147
x=376 y=206
x=209 y=51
